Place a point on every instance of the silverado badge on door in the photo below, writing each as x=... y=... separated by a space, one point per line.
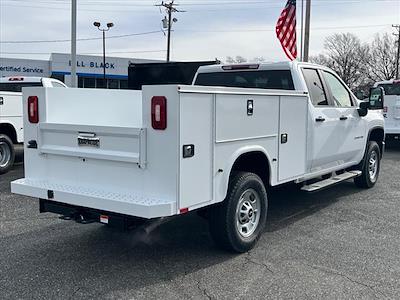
x=88 y=139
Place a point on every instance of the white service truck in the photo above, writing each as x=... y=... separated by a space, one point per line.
x=120 y=157
x=391 y=109
x=11 y=124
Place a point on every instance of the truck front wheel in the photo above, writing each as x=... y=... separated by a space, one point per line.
x=7 y=154
x=237 y=223
x=370 y=167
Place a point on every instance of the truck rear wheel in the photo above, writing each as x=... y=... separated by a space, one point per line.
x=7 y=154
x=237 y=223
x=370 y=167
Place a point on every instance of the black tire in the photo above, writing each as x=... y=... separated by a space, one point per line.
x=368 y=179
x=7 y=154
x=224 y=219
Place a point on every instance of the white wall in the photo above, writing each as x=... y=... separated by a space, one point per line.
x=24 y=67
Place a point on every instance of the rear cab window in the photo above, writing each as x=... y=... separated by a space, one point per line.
x=17 y=87
x=261 y=79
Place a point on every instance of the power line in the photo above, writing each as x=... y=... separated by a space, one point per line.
x=170 y=8
x=115 y=52
x=81 y=39
x=187 y=30
x=203 y=3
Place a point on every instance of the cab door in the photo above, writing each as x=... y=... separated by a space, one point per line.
x=352 y=127
x=324 y=148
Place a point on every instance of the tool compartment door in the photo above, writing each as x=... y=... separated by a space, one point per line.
x=293 y=115
x=196 y=131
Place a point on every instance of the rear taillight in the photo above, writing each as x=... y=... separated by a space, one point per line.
x=385 y=109
x=159 y=112
x=33 y=109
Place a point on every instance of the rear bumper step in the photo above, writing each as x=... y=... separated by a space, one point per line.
x=121 y=203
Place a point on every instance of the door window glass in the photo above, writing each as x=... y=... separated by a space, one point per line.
x=341 y=96
x=315 y=87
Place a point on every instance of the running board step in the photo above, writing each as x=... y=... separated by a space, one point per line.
x=330 y=181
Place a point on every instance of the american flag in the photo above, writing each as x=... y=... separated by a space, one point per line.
x=286 y=29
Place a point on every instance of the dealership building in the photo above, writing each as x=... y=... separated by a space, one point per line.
x=89 y=69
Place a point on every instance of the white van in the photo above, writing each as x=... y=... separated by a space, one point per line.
x=391 y=110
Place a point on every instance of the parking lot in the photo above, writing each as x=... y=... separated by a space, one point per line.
x=340 y=243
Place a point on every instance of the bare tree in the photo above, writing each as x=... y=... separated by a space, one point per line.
x=258 y=59
x=237 y=60
x=381 y=59
x=345 y=54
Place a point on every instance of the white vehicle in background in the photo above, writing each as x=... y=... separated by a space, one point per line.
x=219 y=145
x=391 y=109
x=11 y=123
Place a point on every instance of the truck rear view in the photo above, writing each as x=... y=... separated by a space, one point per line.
x=123 y=157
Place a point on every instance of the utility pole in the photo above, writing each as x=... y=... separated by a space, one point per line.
x=167 y=23
x=307 y=31
x=73 y=43
x=397 y=27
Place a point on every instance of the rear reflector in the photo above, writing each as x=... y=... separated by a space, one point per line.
x=241 y=67
x=184 y=210
x=159 y=112
x=104 y=219
x=385 y=109
x=33 y=109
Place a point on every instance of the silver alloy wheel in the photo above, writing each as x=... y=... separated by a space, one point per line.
x=373 y=166
x=248 y=213
x=5 y=154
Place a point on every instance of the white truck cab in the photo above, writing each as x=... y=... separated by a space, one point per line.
x=218 y=145
x=391 y=110
x=11 y=124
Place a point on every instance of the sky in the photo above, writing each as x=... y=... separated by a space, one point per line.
x=205 y=30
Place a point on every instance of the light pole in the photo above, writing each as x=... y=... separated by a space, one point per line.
x=109 y=25
x=73 y=43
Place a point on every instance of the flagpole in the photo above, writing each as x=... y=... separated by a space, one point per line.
x=307 y=31
x=302 y=30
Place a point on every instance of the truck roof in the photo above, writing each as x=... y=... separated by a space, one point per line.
x=284 y=65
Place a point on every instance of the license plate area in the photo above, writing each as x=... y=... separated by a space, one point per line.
x=88 y=139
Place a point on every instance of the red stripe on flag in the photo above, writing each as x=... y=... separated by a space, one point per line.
x=286 y=29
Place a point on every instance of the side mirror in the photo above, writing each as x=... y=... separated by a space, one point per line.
x=363 y=109
x=376 y=98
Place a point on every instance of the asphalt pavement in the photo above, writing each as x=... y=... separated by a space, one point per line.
x=340 y=243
